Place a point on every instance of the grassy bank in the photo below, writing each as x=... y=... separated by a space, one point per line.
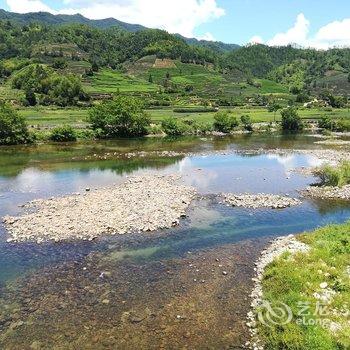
x=316 y=287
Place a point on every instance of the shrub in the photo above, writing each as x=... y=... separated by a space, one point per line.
x=225 y=122
x=121 y=117
x=174 y=127
x=247 y=123
x=291 y=120
x=342 y=125
x=327 y=123
x=59 y=63
x=195 y=110
x=13 y=128
x=63 y=133
x=335 y=176
x=30 y=98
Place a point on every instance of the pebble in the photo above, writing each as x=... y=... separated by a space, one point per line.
x=261 y=200
x=143 y=203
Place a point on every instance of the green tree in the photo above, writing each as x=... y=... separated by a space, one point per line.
x=13 y=128
x=63 y=133
x=247 y=122
x=291 y=120
x=121 y=117
x=225 y=122
x=174 y=127
x=30 y=98
x=274 y=107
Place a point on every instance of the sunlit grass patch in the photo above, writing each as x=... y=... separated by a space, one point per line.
x=316 y=287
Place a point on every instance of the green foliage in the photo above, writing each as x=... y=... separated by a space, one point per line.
x=174 y=127
x=247 y=122
x=225 y=122
x=335 y=176
x=104 y=47
x=294 y=280
x=59 y=63
x=195 y=110
x=327 y=123
x=342 y=125
x=274 y=107
x=30 y=98
x=121 y=117
x=332 y=124
x=291 y=120
x=13 y=128
x=64 y=133
x=332 y=100
x=63 y=90
x=302 y=97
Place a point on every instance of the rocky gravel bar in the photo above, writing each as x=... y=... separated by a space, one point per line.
x=261 y=200
x=144 y=203
x=276 y=249
x=327 y=192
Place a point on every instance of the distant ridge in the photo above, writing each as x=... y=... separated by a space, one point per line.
x=214 y=45
x=50 y=19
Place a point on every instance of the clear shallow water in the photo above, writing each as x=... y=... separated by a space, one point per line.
x=50 y=170
x=59 y=290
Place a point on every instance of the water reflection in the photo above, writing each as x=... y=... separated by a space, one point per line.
x=42 y=171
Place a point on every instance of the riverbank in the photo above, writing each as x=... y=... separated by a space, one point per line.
x=144 y=203
x=302 y=292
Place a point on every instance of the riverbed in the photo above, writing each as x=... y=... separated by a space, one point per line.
x=184 y=287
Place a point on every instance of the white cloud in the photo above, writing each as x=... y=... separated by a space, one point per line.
x=334 y=34
x=297 y=34
x=180 y=16
x=256 y=39
x=24 y=6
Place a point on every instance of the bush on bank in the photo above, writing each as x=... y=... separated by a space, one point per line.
x=335 y=176
x=63 y=133
x=225 y=122
x=13 y=127
x=122 y=117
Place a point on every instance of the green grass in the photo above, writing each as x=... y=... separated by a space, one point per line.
x=9 y=94
x=110 y=81
x=335 y=176
x=271 y=87
x=293 y=280
x=257 y=115
x=50 y=116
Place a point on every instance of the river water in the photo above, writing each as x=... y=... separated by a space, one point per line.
x=186 y=287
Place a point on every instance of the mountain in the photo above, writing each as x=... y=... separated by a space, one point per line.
x=217 y=46
x=48 y=18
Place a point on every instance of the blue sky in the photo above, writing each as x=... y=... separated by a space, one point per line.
x=317 y=23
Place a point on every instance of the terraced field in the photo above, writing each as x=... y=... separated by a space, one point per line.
x=110 y=81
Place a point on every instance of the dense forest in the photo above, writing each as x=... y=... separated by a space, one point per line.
x=35 y=51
